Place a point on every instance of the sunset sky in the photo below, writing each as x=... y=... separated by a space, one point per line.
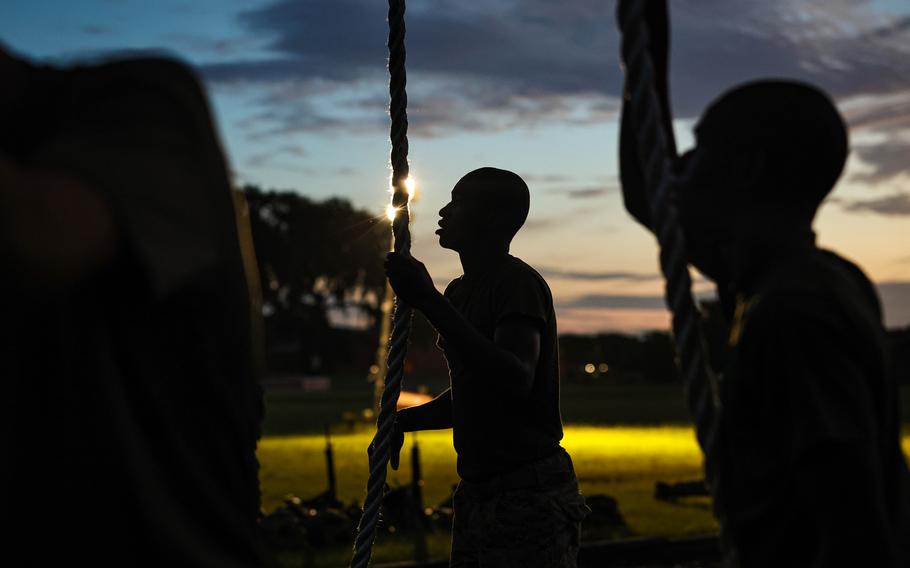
x=300 y=92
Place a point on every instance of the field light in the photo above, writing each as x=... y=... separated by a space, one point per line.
x=589 y=368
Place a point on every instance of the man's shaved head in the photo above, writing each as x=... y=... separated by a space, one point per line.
x=504 y=195
x=797 y=130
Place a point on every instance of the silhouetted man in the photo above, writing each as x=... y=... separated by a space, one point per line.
x=808 y=470
x=129 y=415
x=518 y=502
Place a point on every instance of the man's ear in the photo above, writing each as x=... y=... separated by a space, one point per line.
x=749 y=172
x=488 y=218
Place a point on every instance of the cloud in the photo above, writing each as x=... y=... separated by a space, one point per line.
x=623 y=301
x=213 y=47
x=898 y=26
x=599 y=320
x=95 y=30
x=890 y=111
x=586 y=192
x=887 y=117
x=534 y=225
x=889 y=159
x=545 y=178
x=552 y=272
x=897 y=204
x=597 y=312
x=616 y=302
x=271 y=158
x=506 y=63
x=895 y=297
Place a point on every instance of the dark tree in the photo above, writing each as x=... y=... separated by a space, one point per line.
x=319 y=261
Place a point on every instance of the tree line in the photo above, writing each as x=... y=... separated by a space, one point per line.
x=320 y=269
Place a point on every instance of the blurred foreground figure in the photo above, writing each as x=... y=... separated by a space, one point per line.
x=518 y=502
x=809 y=470
x=130 y=413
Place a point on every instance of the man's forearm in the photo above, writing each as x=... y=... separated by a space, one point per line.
x=634 y=192
x=630 y=169
x=475 y=348
x=433 y=415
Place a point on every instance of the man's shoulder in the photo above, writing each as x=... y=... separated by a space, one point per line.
x=517 y=272
x=160 y=84
x=820 y=279
x=820 y=289
x=160 y=70
x=452 y=285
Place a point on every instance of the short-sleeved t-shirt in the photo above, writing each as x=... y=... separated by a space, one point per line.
x=494 y=430
x=808 y=379
x=131 y=413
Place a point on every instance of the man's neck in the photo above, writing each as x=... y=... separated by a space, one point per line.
x=481 y=259
x=749 y=257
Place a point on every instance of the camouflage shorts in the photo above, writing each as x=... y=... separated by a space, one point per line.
x=523 y=527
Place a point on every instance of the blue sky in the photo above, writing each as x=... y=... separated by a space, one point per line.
x=299 y=89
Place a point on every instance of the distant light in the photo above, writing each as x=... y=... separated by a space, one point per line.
x=411 y=185
x=603 y=367
x=590 y=368
x=374 y=369
x=390 y=212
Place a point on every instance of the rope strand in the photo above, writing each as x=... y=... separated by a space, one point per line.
x=401 y=320
x=702 y=388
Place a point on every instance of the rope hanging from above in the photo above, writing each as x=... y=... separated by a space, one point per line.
x=401 y=320
x=701 y=383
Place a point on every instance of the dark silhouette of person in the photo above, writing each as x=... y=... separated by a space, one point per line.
x=518 y=501
x=808 y=470
x=130 y=414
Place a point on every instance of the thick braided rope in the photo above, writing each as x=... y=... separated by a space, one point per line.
x=401 y=320
x=701 y=384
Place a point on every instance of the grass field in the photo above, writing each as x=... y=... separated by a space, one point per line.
x=623 y=461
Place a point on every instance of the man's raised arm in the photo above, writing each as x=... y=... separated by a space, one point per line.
x=631 y=175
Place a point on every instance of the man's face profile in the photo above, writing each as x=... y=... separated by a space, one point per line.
x=460 y=221
x=701 y=190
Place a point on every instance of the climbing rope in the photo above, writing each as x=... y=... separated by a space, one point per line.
x=702 y=389
x=401 y=320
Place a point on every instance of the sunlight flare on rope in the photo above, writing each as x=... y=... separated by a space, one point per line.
x=391 y=212
x=399 y=215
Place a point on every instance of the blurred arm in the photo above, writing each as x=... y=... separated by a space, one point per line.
x=635 y=194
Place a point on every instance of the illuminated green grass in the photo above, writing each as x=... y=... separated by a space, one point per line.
x=621 y=461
